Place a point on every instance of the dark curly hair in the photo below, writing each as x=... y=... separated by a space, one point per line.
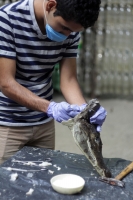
x=84 y=12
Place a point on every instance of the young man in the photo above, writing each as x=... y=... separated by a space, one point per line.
x=34 y=36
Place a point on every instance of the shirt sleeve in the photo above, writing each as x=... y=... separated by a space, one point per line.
x=72 y=47
x=7 y=44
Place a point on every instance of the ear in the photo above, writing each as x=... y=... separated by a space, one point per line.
x=51 y=5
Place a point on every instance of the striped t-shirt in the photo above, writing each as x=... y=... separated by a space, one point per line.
x=35 y=55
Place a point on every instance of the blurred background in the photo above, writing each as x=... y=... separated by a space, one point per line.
x=105 y=71
x=105 y=59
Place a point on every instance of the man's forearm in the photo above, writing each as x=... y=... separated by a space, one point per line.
x=25 y=97
x=72 y=92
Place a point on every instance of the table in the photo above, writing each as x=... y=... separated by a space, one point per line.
x=62 y=162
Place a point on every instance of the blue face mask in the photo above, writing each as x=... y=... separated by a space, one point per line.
x=51 y=33
x=54 y=35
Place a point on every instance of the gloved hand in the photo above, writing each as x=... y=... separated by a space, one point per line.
x=98 y=118
x=62 y=111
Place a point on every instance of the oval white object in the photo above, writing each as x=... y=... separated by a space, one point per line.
x=67 y=183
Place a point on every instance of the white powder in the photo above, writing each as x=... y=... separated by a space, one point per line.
x=67 y=182
x=30 y=191
x=29 y=163
x=9 y=168
x=58 y=168
x=29 y=175
x=14 y=177
x=50 y=171
x=44 y=164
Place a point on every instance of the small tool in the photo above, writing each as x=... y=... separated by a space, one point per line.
x=116 y=181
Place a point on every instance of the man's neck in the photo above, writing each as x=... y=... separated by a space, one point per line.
x=39 y=14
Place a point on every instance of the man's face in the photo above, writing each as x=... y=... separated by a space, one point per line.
x=58 y=23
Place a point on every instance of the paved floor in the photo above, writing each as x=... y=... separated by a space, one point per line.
x=116 y=134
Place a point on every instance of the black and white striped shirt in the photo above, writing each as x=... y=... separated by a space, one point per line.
x=35 y=55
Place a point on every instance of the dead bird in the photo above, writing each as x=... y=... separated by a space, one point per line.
x=87 y=138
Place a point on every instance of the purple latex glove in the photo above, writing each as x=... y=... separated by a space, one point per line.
x=62 y=111
x=98 y=118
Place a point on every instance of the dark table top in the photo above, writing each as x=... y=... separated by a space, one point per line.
x=62 y=162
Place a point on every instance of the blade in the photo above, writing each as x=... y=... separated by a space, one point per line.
x=112 y=181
